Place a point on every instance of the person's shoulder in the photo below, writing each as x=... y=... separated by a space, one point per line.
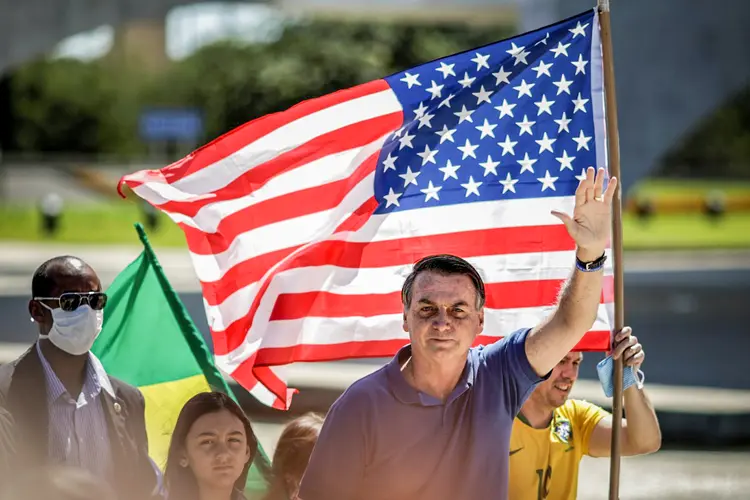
x=487 y=350
x=7 y=370
x=362 y=395
x=577 y=409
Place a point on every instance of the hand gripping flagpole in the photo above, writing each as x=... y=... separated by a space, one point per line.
x=613 y=151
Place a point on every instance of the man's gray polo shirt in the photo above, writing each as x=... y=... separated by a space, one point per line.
x=383 y=439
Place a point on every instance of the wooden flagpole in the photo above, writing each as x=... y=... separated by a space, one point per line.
x=613 y=150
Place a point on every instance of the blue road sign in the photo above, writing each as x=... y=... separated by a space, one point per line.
x=179 y=124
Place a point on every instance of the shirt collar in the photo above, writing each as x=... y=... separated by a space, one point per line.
x=405 y=393
x=95 y=379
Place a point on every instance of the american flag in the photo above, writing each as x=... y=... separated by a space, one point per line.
x=303 y=224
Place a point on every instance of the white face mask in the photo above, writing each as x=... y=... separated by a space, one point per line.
x=74 y=331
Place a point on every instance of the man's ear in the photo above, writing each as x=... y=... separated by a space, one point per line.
x=36 y=311
x=481 y=321
x=405 y=324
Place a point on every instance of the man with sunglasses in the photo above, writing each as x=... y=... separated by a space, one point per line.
x=66 y=409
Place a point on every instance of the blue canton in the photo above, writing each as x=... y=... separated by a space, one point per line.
x=510 y=120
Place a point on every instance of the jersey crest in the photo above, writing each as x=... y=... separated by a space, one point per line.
x=563 y=430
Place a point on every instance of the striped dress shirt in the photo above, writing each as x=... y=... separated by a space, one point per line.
x=78 y=432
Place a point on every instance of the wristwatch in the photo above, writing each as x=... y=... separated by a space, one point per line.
x=593 y=265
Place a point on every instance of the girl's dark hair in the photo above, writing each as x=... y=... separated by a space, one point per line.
x=180 y=481
x=293 y=453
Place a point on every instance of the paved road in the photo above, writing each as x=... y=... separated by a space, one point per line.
x=666 y=475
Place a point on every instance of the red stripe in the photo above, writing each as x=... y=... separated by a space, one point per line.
x=297 y=204
x=253 y=370
x=506 y=295
x=238 y=138
x=350 y=137
x=391 y=253
x=507 y=240
x=597 y=340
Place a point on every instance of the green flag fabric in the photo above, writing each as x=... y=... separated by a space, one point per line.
x=149 y=340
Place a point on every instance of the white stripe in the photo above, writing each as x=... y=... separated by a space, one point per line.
x=383 y=227
x=354 y=281
x=286 y=138
x=327 y=331
x=325 y=170
x=598 y=103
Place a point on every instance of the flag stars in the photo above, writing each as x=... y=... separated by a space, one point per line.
x=580 y=64
x=545 y=144
x=566 y=161
x=563 y=123
x=436 y=90
x=580 y=104
x=466 y=81
x=446 y=101
x=449 y=170
x=525 y=126
x=486 y=129
x=518 y=54
x=582 y=141
x=548 y=181
x=410 y=79
x=420 y=110
x=563 y=85
x=508 y=146
x=464 y=115
x=542 y=69
x=560 y=49
x=527 y=164
x=431 y=191
x=544 y=106
x=471 y=187
x=426 y=121
x=446 y=134
x=524 y=88
x=405 y=141
x=446 y=70
x=490 y=167
x=579 y=30
x=410 y=177
x=389 y=163
x=543 y=40
x=482 y=95
x=501 y=76
x=481 y=61
x=505 y=109
x=428 y=155
x=392 y=198
x=468 y=149
x=509 y=184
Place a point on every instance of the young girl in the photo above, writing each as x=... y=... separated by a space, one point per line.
x=293 y=451
x=211 y=450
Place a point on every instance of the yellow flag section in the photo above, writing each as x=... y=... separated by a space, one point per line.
x=149 y=340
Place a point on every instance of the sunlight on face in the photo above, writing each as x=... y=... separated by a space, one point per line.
x=443 y=319
x=556 y=389
x=216 y=449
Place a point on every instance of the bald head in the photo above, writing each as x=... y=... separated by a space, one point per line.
x=65 y=271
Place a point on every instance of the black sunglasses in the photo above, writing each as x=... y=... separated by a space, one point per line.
x=71 y=301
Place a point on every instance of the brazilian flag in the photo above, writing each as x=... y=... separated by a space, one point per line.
x=149 y=340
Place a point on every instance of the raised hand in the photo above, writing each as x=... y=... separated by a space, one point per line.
x=592 y=216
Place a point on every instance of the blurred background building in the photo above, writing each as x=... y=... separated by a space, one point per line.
x=92 y=90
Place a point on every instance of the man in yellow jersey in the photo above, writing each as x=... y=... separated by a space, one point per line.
x=552 y=433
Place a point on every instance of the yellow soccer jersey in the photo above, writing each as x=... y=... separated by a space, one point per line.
x=544 y=462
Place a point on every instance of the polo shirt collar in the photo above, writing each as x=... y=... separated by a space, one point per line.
x=407 y=394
